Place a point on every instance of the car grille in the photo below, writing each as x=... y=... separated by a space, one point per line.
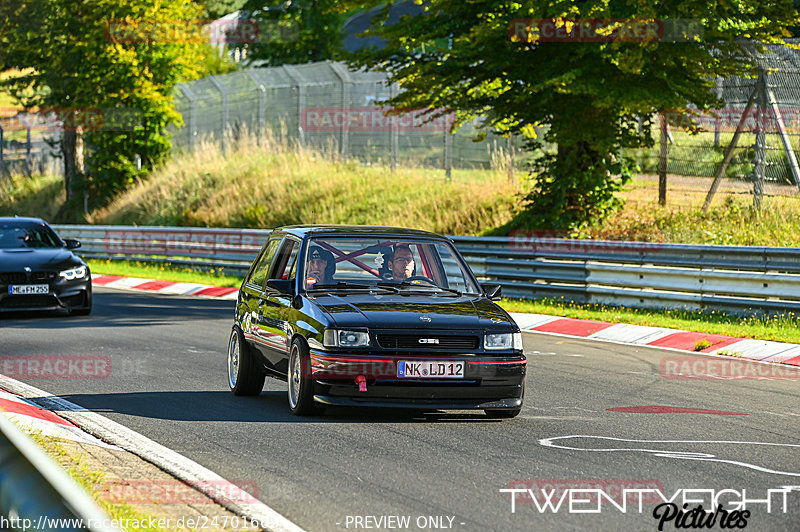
x=13 y=277
x=22 y=278
x=29 y=301
x=412 y=341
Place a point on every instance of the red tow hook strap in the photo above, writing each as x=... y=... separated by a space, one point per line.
x=362 y=383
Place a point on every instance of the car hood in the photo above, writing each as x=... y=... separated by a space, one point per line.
x=17 y=259
x=398 y=311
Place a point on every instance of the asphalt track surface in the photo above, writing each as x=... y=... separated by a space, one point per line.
x=168 y=382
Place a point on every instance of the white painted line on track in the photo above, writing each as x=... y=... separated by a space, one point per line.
x=205 y=480
x=666 y=453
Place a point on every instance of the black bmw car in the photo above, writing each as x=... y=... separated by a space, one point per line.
x=38 y=270
x=374 y=316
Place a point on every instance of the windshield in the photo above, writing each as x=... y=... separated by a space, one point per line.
x=392 y=262
x=27 y=235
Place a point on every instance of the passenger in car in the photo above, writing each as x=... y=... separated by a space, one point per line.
x=321 y=266
x=402 y=263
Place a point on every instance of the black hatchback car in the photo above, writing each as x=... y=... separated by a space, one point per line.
x=374 y=316
x=38 y=270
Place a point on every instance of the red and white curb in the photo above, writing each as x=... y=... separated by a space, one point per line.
x=34 y=418
x=760 y=350
x=214 y=486
x=165 y=287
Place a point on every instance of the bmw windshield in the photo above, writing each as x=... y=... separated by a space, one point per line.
x=27 y=235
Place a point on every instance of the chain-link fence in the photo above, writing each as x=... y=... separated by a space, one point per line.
x=327 y=106
x=761 y=161
x=28 y=151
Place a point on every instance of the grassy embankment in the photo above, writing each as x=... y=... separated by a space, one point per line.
x=274 y=184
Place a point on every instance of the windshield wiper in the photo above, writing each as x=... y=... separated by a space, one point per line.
x=407 y=284
x=343 y=285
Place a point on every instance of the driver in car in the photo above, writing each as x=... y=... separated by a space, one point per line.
x=402 y=263
x=320 y=266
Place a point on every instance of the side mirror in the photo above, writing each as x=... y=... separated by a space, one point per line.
x=71 y=243
x=492 y=291
x=284 y=286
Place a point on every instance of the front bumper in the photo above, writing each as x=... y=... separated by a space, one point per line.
x=489 y=382
x=62 y=296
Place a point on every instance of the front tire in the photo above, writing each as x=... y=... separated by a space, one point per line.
x=301 y=387
x=244 y=375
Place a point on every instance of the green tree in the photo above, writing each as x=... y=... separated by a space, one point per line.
x=474 y=57
x=296 y=31
x=107 y=70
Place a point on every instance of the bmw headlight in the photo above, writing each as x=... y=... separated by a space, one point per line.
x=74 y=273
x=345 y=338
x=503 y=341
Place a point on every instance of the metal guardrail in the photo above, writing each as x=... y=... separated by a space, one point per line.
x=636 y=274
x=36 y=494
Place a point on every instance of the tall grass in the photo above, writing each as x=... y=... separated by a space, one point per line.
x=41 y=196
x=274 y=183
x=731 y=220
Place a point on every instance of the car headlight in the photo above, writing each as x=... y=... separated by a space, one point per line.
x=345 y=338
x=503 y=341
x=74 y=273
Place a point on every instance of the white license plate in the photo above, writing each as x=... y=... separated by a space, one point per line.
x=27 y=289
x=430 y=369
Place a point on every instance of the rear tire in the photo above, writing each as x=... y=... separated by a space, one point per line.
x=244 y=375
x=301 y=387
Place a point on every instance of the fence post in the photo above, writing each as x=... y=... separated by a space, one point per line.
x=28 y=162
x=717 y=121
x=301 y=99
x=761 y=141
x=192 y=126
x=448 y=155
x=224 y=95
x=662 y=159
x=345 y=80
x=260 y=118
x=787 y=144
x=510 y=155
x=395 y=133
x=726 y=159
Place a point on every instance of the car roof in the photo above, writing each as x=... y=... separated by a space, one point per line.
x=21 y=219
x=355 y=230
